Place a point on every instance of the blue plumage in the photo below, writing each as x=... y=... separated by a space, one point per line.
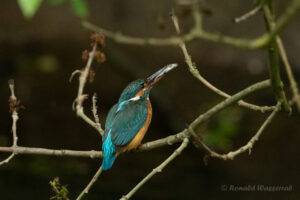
x=109 y=120
x=128 y=122
x=131 y=90
x=109 y=153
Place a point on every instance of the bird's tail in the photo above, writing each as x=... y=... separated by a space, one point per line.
x=109 y=153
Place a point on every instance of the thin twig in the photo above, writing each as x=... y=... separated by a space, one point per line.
x=158 y=169
x=257 y=43
x=195 y=72
x=13 y=108
x=248 y=147
x=73 y=74
x=87 y=188
x=96 y=117
x=248 y=14
x=288 y=69
x=80 y=96
x=7 y=159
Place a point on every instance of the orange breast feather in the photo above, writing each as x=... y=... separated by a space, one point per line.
x=140 y=135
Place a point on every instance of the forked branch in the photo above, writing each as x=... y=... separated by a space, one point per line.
x=195 y=72
x=158 y=169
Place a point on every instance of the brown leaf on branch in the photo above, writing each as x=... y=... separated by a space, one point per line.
x=100 y=57
x=91 y=76
x=85 y=55
x=205 y=159
x=161 y=23
x=14 y=105
x=99 y=39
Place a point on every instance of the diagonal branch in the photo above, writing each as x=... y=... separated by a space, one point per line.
x=14 y=107
x=249 y=14
x=195 y=72
x=205 y=116
x=158 y=169
x=248 y=147
x=288 y=69
x=94 y=110
x=87 y=188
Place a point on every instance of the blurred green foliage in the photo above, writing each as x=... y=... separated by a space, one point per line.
x=226 y=127
x=45 y=63
x=55 y=2
x=30 y=7
x=39 y=166
x=43 y=167
x=80 y=8
x=3 y=140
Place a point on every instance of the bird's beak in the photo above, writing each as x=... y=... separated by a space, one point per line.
x=154 y=78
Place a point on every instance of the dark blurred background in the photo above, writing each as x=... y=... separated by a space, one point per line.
x=40 y=54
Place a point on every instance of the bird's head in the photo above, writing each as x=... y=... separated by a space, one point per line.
x=141 y=88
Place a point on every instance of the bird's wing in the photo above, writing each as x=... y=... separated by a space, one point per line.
x=109 y=120
x=128 y=121
x=110 y=117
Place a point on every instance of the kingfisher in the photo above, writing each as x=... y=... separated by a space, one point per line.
x=127 y=121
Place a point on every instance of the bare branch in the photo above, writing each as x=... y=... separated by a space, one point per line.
x=94 y=179
x=195 y=33
x=195 y=72
x=14 y=106
x=248 y=147
x=288 y=69
x=52 y=152
x=158 y=169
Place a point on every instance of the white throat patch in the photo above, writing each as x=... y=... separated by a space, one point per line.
x=136 y=98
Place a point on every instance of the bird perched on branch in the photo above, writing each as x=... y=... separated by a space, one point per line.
x=128 y=120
